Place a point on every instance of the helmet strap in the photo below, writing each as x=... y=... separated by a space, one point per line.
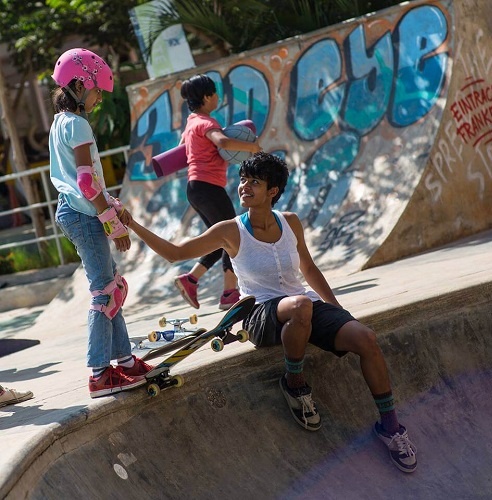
x=80 y=103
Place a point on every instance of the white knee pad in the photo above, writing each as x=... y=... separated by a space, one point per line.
x=117 y=295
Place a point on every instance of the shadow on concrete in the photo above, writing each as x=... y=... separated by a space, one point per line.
x=13 y=375
x=9 y=346
x=20 y=321
x=356 y=286
x=12 y=416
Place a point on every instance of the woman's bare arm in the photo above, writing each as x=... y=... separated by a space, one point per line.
x=221 y=235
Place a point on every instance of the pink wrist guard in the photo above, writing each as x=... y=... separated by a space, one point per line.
x=112 y=225
x=116 y=203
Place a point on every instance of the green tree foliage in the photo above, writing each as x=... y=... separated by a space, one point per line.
x=36 y=31
x=106 y=24
x=232 y=26
x=32 y=32
x=222 y=25
x=102 y=23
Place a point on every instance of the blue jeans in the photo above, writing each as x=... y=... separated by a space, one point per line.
x=108 y=339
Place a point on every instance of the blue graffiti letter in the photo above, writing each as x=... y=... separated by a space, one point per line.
x=420 y=76
x=249 y=96
x=313 y=108
x=370 y=75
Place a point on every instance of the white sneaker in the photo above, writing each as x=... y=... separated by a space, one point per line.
x=301 y=405
x=403 y=452
x=11 y=396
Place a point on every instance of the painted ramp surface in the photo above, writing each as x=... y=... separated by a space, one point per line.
x=230 y=434
x=384 y=121
x=353 y=109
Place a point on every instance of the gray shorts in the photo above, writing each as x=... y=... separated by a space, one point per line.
x=265 y=329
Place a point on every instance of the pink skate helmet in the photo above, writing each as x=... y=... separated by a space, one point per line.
x=85 y=66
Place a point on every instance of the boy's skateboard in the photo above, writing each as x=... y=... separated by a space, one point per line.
x=159 y=378
x=174 y=159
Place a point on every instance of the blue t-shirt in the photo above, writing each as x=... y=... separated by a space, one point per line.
x=69 y=131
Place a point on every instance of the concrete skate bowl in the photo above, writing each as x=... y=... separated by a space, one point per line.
x=229 y=434
x=383 y=122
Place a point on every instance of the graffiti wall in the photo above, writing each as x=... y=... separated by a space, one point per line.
x=452 y=199
x=354 y=109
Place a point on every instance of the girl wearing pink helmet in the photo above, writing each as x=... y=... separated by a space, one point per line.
x=90 y=218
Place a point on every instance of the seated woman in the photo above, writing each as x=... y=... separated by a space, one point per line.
x=267 y=250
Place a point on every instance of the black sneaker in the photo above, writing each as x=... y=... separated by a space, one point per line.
x=301 y=406
x=403 y=452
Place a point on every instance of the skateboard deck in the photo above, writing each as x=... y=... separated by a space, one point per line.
x=174 y=159
x=146 y=349
x=159 y=378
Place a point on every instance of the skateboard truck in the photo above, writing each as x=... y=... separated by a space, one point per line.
x=177 y=324
x=218 y=343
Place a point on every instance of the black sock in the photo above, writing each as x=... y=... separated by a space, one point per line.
x=386 y=407
x=295 y=375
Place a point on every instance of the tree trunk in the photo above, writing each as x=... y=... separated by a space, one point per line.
x=20 y=162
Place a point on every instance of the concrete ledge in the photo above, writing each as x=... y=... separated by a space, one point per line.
x=33 y=288
x=230 y=433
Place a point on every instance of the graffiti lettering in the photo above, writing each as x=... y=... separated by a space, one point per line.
x=419 y=34
x=321 y=100
x=471 y=126
x=317 y=90
x=370 y=75
x=314 y=94
x=343 y=232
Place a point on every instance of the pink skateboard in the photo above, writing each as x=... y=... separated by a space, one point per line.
x=174 y=159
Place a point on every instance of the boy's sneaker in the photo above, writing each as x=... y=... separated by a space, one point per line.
x=402 y=451
x=301 y=406
x=11 y=396
x=113 y=380
x=228 y=299
x=138 y=369
x=188 y=289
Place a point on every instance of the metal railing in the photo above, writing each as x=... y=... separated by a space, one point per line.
x=50 y=203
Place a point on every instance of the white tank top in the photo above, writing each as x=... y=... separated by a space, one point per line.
x=269 y=270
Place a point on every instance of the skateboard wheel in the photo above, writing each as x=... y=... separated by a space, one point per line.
x=162 y=322
x=217 y=345
x=153 y=390
x=193 y=319
x=154 y=336
x=178 y=380
x=242 y=335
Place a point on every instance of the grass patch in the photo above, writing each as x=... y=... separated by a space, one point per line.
x=26 y=258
